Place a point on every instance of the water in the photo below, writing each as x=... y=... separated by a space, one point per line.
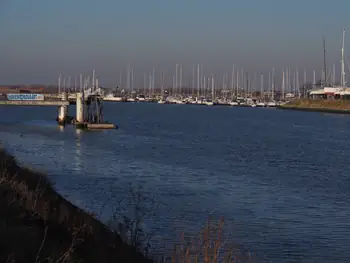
x=279 y=178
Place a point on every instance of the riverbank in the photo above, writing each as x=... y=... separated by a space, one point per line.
x=328 y=106
x=38 y=225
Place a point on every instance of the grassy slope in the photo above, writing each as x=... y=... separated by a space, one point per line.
x=334 y=105
x=37 y=224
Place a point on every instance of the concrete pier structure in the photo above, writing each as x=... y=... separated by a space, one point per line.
x=89 y=108
x=63 y=110
x=80 y=108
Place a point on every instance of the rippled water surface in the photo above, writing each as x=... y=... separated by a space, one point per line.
x=280 y=178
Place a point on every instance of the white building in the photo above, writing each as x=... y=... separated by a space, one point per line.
x=331 y=92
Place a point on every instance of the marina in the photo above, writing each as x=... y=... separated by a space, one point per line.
x=242 y=89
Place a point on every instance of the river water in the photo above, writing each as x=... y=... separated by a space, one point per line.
x=279 y=178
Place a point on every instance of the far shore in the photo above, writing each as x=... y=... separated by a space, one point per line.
x=326 y=106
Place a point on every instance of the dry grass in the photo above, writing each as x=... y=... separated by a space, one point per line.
x=38 y=225
x=209 y=247
x=319 y=104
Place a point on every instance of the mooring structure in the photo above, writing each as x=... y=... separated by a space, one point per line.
x=88 y=100
x=89 y=105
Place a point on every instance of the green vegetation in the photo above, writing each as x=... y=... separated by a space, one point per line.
x=38 y=225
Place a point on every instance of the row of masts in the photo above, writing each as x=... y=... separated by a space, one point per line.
x=85 y=82
x=241 y=82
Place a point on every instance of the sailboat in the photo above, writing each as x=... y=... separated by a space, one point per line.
x=333 y=90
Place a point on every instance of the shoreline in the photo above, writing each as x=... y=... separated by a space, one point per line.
x=323 y=106
x=321 y=110
x=39 y=224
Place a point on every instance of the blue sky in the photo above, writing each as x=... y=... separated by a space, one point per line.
x=41 y=38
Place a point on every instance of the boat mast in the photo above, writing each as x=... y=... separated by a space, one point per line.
x=304 y=91
x=233 y=81
x=273 y=84
x=120 y=79
x=150 y=85
x=176 y=78
x=128 y=78
x=343 y=81
x=237 y=84
x=93 y=79
x=208 y=88
x=297 y=82
x=269 y=82
x=162 y=91
x=283 y=84
x=132 y=79
x=324 y=62
x=261 y=86
x=59 y=84
x=287 y=85
x=153 y=81
x=201 y=79
x=242 y=81
x=193 y=78
x=254 y=84
x=314 y=79
x=246 y=84
x=204 y=87
x=198 y=82
x=180 y=88
x=223 y=86
x=212 y=88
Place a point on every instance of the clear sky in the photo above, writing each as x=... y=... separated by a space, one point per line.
x=41 y=38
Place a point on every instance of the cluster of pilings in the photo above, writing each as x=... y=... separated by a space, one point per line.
x=63 y=117
x=89 y=109
x=93 y=119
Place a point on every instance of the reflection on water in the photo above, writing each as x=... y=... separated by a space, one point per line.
x=78 y=158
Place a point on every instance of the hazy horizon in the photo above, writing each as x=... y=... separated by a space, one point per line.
x=40 y=40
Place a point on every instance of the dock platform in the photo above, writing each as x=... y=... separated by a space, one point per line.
x=95 y=126
x=100 y=126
